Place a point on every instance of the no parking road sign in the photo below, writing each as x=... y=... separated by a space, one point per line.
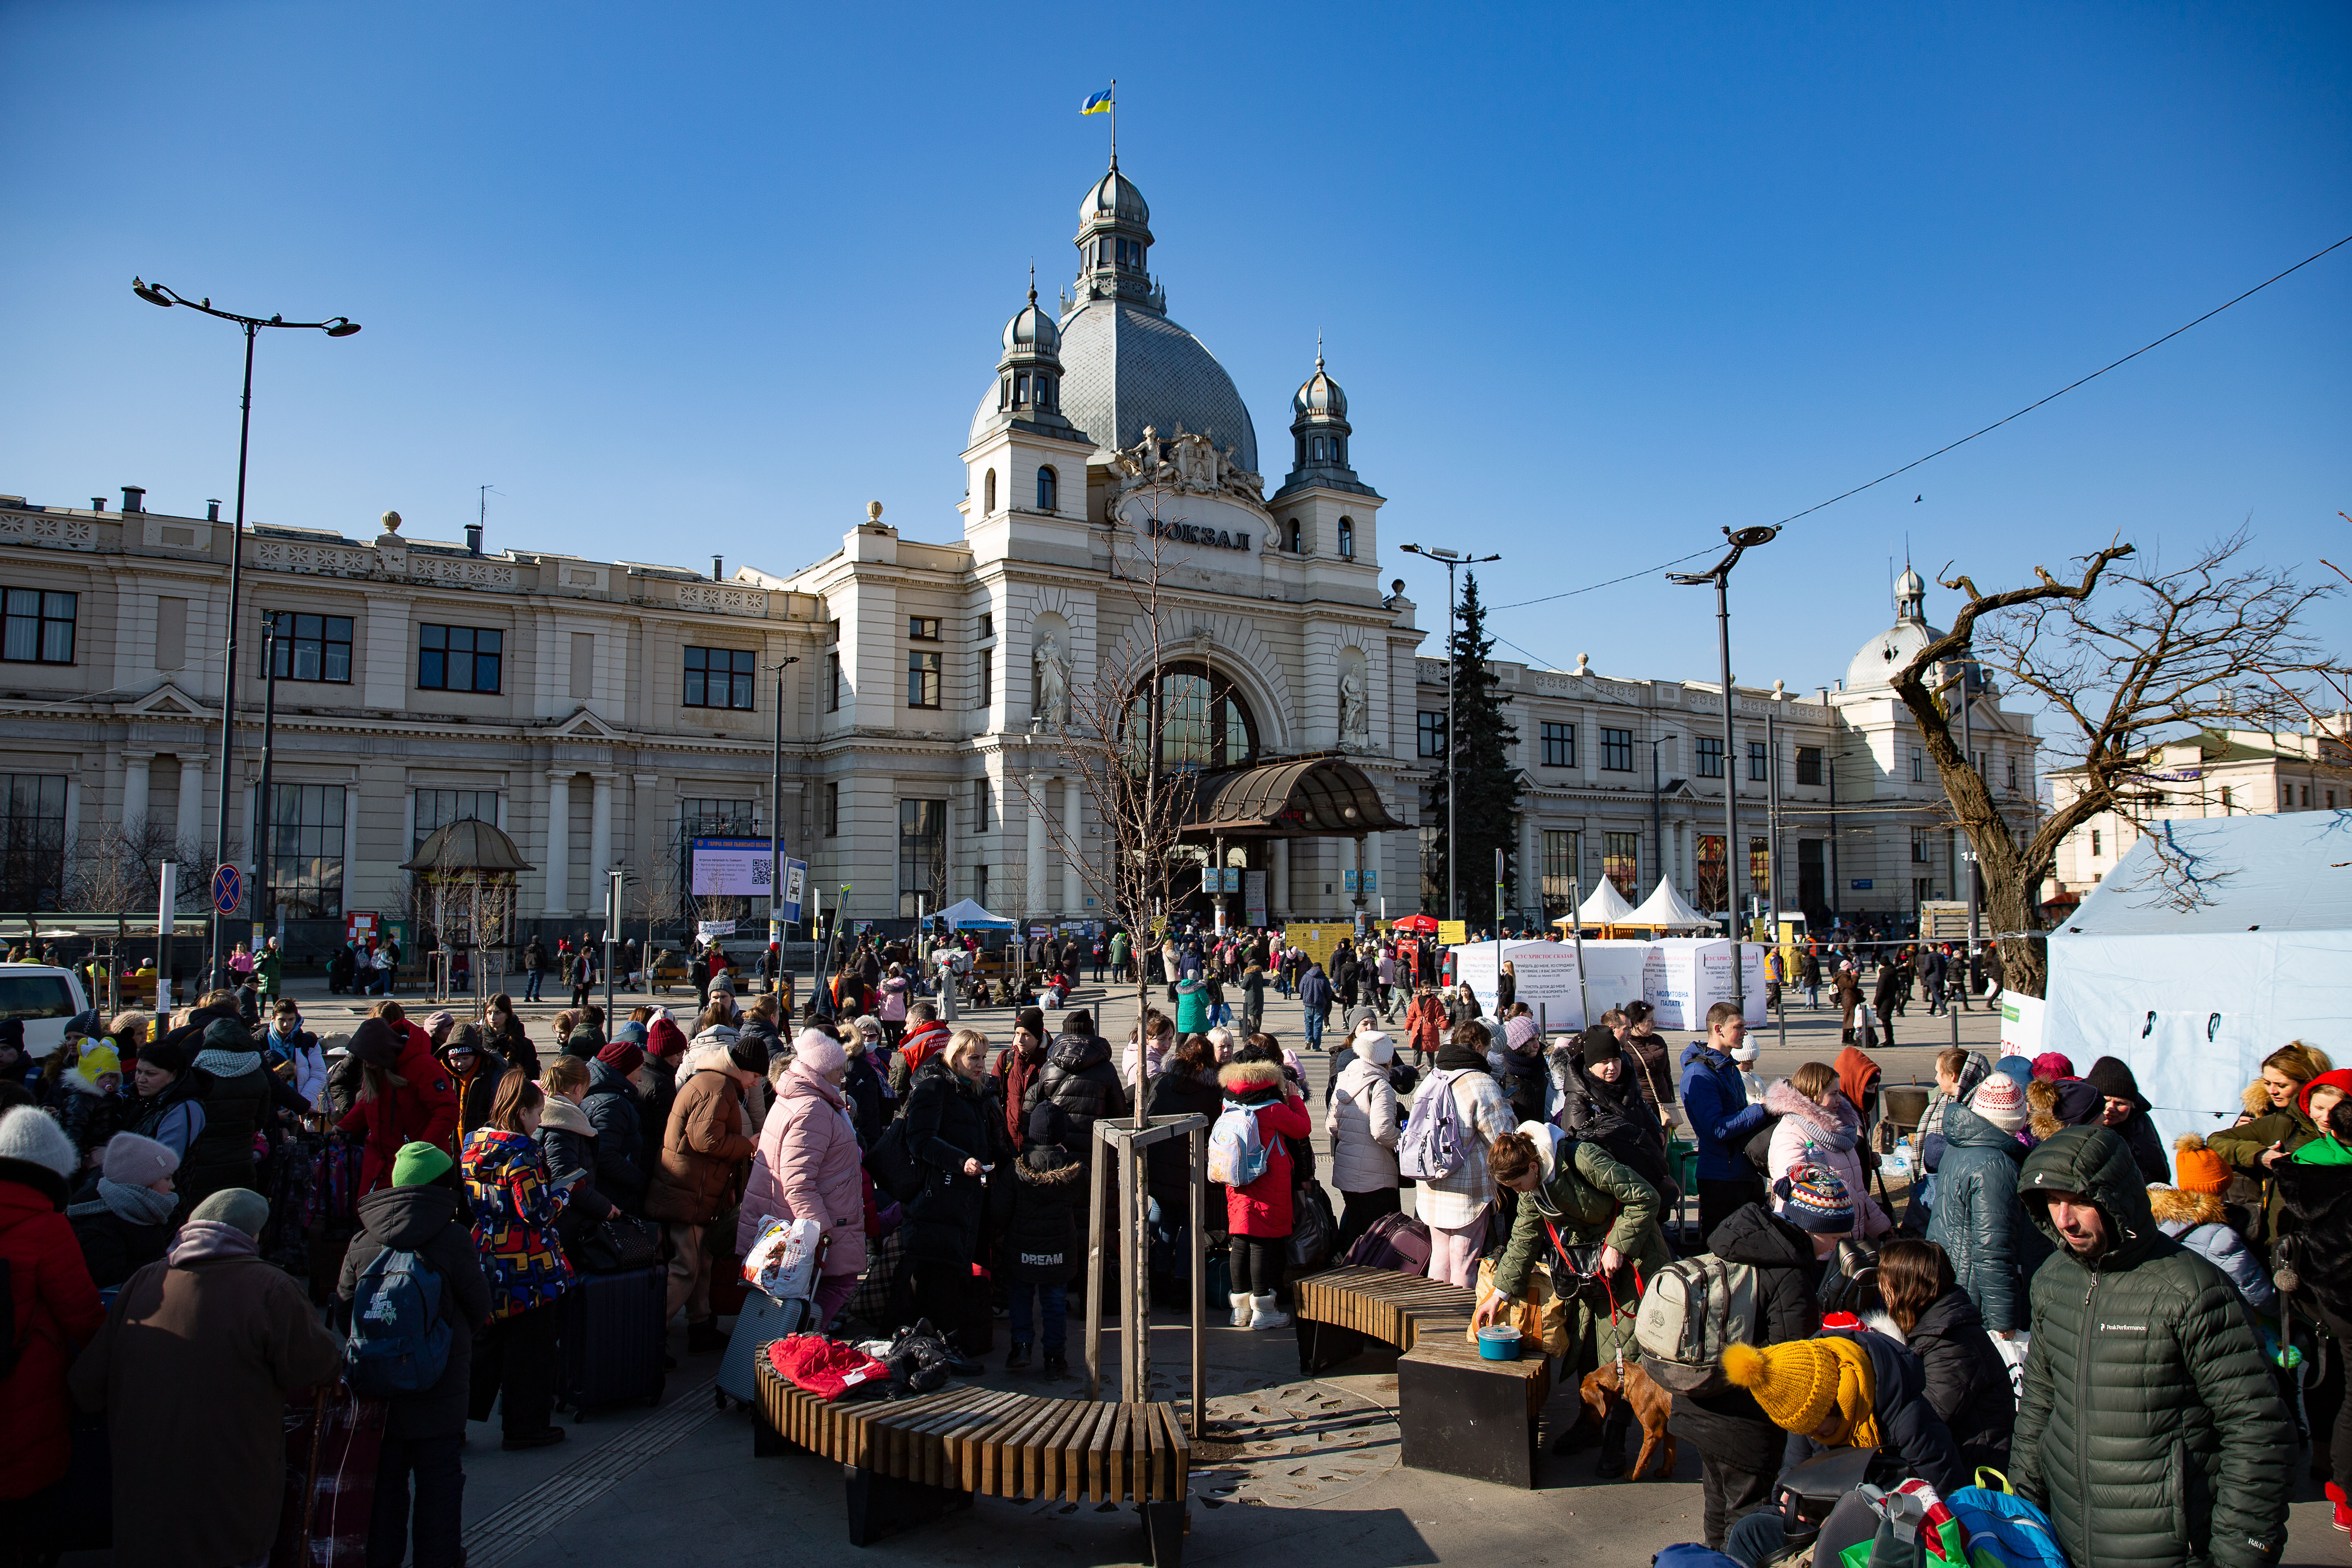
x=228 y=889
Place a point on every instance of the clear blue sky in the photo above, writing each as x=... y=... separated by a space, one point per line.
x=699 y=279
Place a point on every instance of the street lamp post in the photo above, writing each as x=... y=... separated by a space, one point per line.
x=263 y=801
x=1719 y=575
x=776 y=828
x=1452 y=559
x=334 y=327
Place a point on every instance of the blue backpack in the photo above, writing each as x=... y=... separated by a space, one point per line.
x=1996 y=1517
x=399 y=1341
x=1690 y=1555
x=1237 y=1155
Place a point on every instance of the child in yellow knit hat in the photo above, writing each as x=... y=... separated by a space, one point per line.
x=1824 y=1389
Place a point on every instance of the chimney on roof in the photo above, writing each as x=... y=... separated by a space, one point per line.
x=134 y=497
x=717 y=563
x=473 y=539
x=212 y=512
x=97 y=503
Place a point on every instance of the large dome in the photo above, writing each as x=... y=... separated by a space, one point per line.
x=1125 y=366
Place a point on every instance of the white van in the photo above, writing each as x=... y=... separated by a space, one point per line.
x=44 y=998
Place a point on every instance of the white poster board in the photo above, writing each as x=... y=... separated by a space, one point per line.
x=2021 y=1025
x=1544 y=976
x=732 y=867
x=1682 y=979
x=1253 y=899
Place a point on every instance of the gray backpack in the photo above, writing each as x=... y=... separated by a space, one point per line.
x=1690 y=1311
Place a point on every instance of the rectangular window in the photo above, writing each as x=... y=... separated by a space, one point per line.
x=171 y=634
x=1560 y=871
x=1712 y=894
x=40 y=626
x=32 y=841
x=2095 y=844
x=922 y=678
x=2225 y=797
x=1559 y=745
x=459 y=659
x=987 y=625
x=923 y=628
x=1616 y=750
x=1809 y=764
x=980 y=805
x=719 y=677
x=583 y=665
x=2012 y=780
x=1758 y=767
x=1760 y=865
x=306 y=851
x=314 y=648
x=832 y=811
x=922 y=856
x=1710 y=756
x=1919 y=847
x=979 y=886
x=833 y=683
x=1621 y=857
x=1430 y=732
x=707 y=817
x=1918 y=765
x=438 y=808
x=987 y=693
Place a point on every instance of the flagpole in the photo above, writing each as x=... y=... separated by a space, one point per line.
x=1114 y=122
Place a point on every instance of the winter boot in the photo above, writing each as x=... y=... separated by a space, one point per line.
x=1264 y=1314
x=1612 y=1462
x=1017 y=1359
x=1241 y=1302
x=2343 y=1520
x=1056 y=1364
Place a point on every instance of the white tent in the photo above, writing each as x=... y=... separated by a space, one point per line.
x=2193 y=999
x=1665 y=910
x=969 y=916
x=1604 y=906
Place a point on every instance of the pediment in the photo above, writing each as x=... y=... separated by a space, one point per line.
x=168 y=702
x=584 y=725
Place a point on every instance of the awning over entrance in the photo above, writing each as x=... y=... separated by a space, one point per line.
x=1314 y=797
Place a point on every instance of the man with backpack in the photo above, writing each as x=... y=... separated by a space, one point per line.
x=413 y=1294
x=1715 y=1100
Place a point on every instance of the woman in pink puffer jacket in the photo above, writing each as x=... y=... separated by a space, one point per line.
x=808 y=1166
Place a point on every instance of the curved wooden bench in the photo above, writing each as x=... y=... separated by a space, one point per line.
x=1453 y=1408
x=908 y=1462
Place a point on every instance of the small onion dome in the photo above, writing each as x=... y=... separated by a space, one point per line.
x=1909 y=585
x=1114 y=196
x=1033 y=329
x=1321 y=394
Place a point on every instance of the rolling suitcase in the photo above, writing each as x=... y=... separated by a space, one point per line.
x=763 y=1320
x=612 y=1339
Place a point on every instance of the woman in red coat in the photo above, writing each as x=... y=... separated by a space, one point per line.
x=1258 y=1212
x=405 y=1095
x=56 y=1307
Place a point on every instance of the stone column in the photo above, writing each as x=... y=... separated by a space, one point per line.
x=559 y=844
x=134 y=791
x=1277 y=879
x=600 y=839
x=1073 y=810
x=1036 y=868
x=189 y=826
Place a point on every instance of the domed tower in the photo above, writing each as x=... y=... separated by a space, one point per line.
x=1323 y=509
x=1029 y=375
x=1115 y=244
x=1024 y=455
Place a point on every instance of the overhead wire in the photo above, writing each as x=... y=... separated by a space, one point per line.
x=1891 y=473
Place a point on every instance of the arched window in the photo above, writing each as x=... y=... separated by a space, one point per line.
x=1004 y=392
x=1046 y=486
x=1295 y=544
x=1315 y=448
x=988 y=495
x=1204 y=722
x=1020 y=390
x=1347 y=537
x=1044 y=392
x=1339 y=452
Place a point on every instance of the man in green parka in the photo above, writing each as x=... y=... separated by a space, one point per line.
x=1577 y=1190
x=2149 y=1427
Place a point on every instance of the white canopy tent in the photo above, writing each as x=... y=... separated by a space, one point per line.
x=2194 y=999
x=1604 y=906
x=1665 y=910
x=969 y=916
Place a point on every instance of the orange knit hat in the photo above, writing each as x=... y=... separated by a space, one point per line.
x=2201 y=1170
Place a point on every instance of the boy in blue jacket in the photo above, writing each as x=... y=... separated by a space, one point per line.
x=1721 y=1119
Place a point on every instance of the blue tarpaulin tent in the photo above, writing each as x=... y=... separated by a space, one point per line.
x=2194 y=998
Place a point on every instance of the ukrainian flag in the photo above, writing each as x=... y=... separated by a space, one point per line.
x=1099 y=103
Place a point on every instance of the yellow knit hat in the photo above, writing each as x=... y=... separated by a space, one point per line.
x=1803 y=1383
x=98 y=1061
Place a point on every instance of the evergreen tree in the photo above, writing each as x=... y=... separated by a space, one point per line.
x=1482 y=737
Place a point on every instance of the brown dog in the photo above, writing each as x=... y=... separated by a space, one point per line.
x=1652 y=1405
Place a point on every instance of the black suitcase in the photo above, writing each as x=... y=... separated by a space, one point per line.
x=611 y=1351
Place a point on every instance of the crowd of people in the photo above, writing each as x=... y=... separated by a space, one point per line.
x=218 y=1199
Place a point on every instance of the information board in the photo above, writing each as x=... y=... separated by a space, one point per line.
x=725 y=867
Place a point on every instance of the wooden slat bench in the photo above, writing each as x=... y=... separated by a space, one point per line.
x=1460 y=1414
x=908 y=1461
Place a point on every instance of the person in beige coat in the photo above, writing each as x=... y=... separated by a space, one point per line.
x=705 y=1153
x=1362 y=1122
x=192 y=1370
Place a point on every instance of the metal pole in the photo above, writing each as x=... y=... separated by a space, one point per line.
x=218 y=964
x=1967 y=752
x=776 y=834
x=613 y=879
x=1096 y=1173
x=260 y=847
x=1198 y=1137
x=1657 y=818
x=1453 y=844
x=1583 y=998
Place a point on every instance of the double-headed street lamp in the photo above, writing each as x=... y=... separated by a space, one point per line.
x=334 y=327
x=1452 y=559
x=1719 y=575
x=776 y=827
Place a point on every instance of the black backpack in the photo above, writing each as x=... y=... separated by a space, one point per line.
x=893 y=1165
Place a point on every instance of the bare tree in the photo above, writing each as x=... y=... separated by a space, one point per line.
x=118 y=867
x=2123 y=657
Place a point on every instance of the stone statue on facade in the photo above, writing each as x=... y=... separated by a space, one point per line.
x=1355 y=712
x=1053 y=682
